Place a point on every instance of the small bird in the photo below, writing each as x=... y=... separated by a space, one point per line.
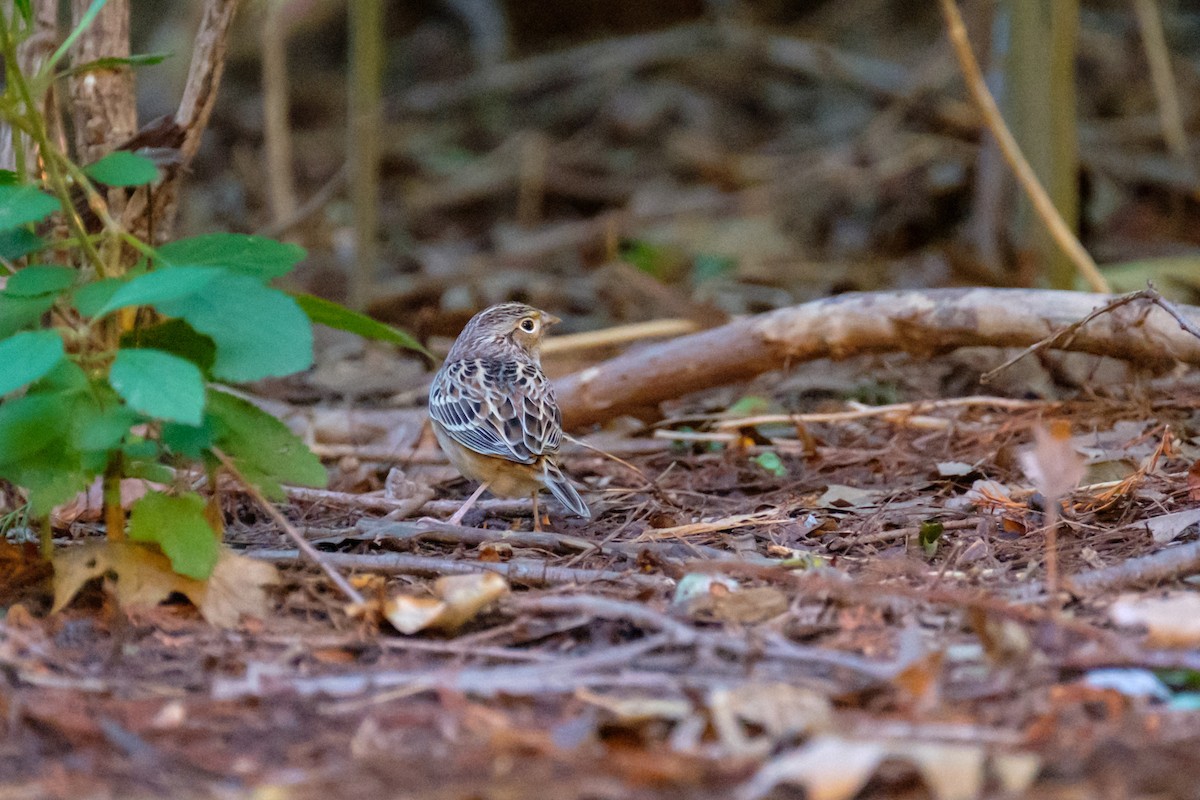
x=494 y=413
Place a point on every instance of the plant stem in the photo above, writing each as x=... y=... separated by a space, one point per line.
x=114 y=513
x=50 y=156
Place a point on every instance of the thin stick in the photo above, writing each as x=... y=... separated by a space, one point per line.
x=277 y=133
x=340 y=582
x=619 y=334
x=921 y=406
x=531 y=573
x=1065 y=333
x=318 y=200
x=992 y=117
x=1165 y=565
x=1162 y=78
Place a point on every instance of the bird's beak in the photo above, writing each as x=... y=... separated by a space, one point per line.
x=549 y=319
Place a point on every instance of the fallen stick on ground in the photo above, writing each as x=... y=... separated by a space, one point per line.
x=529 y=573
x=920 y=322
x=1165 y=565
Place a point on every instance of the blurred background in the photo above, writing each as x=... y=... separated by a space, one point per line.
x=618 y=161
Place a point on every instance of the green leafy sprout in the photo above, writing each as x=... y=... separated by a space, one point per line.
x=114 y=367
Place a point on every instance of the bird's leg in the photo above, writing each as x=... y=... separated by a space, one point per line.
x=456 y=518
x=537 y=517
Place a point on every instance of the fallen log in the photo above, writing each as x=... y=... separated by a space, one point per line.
x=920 y=322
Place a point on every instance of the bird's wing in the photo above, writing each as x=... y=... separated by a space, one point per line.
x=497 y=408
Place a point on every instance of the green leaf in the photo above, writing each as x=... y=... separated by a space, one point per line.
x=66 y=378
x=9 y=178
x=178 y=526
x=20 y=205
x=149 y=471
x=99 y=429
x=18 y=243
x=21 y=312
x=27 y=424
x=92 y=297
x=708 y=266
x=930 y=533
x=261 y=444
x=326 y=312
x=26 y=10
x=189 y=441
x=123 y=168
x=259 y=332
x=772 y=463
x=249 y=255
x=177 y=337
x=138 y=448
x=25 y=357
x=83 y=22
x=159 y=385
x=40 y=279
x=160 y=286
x=112 y=62
x=52 y=477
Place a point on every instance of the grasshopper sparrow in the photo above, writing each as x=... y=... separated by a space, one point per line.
x=494 y=413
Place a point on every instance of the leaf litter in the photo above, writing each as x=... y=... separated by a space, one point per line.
x=865 y=608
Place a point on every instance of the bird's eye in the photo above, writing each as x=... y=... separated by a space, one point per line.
x=527 y=325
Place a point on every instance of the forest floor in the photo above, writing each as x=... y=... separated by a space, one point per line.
x=854 y=598
x=856 y=602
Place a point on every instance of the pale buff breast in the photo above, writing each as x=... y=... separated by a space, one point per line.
x=506 y=478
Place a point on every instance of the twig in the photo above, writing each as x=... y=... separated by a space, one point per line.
x=898 y=533
x=604 y=58
x=311 y=552
x=531 y=573
x=1168 y=564
x=563 y=675
x=364 y=142
x=401 y=508
x=640 y=614
x=1166 y=305
x=432 y=530
x=897 y=409
x=195 y=107
x=435 y=531
x=277 y=133
x=619 y=334
x=1162 y=78
x=318 y=200
x=1042 y=203
x=1065 y=335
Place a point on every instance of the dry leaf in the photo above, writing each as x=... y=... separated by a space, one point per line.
x=1173 y=620
x=745 y=606
x=1193 y=481
x=840 y=496
x=638 y=709
x=1052 y=464
x=1168 y=527
x=779 y=711
x=459 y=599
x=88 y=506
x=143 y=577
x=833 y=768
x=828 y=767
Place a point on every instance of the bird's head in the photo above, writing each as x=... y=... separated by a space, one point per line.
x=508 y=325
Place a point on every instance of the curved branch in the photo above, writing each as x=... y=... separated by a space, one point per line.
x=919 y=322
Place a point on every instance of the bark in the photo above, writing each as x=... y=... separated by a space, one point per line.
x=199 y=95
x=102 y=100
x=923 y=323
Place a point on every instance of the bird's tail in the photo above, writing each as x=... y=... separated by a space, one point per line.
x=562 y=488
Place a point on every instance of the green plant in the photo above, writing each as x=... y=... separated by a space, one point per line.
x=115 y=357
